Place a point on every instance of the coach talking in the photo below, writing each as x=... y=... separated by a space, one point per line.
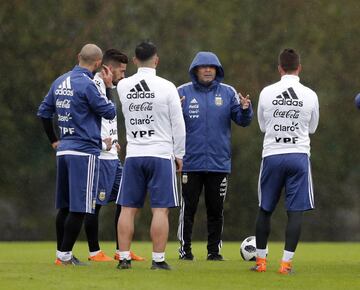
x=208 y=108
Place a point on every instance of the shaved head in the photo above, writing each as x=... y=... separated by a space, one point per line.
x=89 y=54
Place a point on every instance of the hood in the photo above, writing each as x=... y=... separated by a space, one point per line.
x=206 y=58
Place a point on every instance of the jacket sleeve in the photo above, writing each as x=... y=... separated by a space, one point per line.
x=260 y=114
x=47 y=107
x=100 y=105
x=241 y=117
x=177 y=122
x=314 y=121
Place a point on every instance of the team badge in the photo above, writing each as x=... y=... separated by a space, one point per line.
x=102 y=195
x=218 y=100
x=184 y=178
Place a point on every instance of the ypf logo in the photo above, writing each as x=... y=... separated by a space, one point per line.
x=286 y=99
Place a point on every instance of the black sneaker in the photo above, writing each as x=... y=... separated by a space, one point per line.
x=160 y=266
x=73 y=261
x=215 y=257
x=124 y=264
x=187 y=257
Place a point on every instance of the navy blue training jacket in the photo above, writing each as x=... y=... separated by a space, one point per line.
x=208 y=112
x=78 y=106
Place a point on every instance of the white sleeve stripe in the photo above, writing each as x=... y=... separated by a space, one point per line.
x=184 y=85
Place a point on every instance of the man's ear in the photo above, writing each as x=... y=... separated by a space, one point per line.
x=281 y=70
x=157 y=60
x=299 y=69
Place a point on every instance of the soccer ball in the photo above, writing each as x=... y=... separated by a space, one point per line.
x=248 y=249
x=357 y=101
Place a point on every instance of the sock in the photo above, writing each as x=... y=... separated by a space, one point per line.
x=261 y=253
x=60 y=225
x=71 y=231
x=262 y=230
x=125 y=255
x=158 y=257
x=91 y=225
x=57 y=253
x=92 y=254
x=287 y=256
x=117 y=214
x=65 y=256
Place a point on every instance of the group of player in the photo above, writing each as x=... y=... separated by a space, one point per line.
x=169 y=130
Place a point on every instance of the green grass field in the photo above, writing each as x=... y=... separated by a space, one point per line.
x=29 y=265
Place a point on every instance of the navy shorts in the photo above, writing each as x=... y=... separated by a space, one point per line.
x=148 y=174
x=292 y=171
x=76 y=182
x=109 y=181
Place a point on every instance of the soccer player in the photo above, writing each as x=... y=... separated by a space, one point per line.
x=79 y=107
x=209 y=106
x=155 y=133
x=287 y=113
x=110 y=166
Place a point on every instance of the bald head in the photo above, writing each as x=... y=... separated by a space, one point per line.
x=89 y=54
x=90 y=57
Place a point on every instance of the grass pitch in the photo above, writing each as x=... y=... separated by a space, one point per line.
x=29 y=265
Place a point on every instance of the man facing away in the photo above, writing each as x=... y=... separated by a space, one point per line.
x=155 y=133
x=114 y=63
x=79 y=107
x=209 y=106
x=287 y=113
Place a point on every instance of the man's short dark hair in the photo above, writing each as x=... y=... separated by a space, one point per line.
x=289 y=60
x=114 y=55
x=145 y=50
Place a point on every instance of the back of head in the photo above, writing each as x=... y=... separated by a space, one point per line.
x=289 y=60
x=114 y=57
x=145 y=51
x=89 y=54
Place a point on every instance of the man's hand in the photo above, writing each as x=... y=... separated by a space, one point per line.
x=106 y=76
x=108 y=143
x=118 y=147
x=245 y=102
x=55 y=144
x=179 y=164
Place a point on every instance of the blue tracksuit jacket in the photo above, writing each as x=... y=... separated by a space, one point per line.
x=208 y=112
x=78 y=106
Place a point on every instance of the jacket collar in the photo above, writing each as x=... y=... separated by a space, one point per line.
x=290 y=78
x=147 y=70
x=80 y=69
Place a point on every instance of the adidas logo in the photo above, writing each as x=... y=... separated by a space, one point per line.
x=288 y=100
x=64 y=88
x=140 y=91
x=193 y=101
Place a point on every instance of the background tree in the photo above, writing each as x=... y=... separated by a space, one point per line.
x=40 y=40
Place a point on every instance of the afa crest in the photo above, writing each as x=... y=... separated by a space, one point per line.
x=102 y=195
x=218 y=100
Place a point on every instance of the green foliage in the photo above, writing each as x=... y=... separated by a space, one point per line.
x=40 y=40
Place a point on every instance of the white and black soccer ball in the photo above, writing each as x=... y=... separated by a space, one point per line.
x=248 y=249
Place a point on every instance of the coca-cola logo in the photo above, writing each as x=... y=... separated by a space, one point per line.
x=289 y=114
x=146 y=106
